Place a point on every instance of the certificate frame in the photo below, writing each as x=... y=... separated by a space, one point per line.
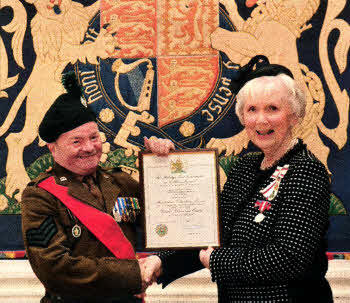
x=164 y=231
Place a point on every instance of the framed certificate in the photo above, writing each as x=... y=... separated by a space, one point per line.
x=181 y=198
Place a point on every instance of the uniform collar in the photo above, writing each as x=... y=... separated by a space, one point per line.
x=64 y=176
x=76 y=188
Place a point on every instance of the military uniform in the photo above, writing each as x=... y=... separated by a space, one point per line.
x=78 y=268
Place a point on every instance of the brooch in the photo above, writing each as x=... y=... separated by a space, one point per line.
x=270 y=191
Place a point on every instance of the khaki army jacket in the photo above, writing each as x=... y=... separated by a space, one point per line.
x=78 y=266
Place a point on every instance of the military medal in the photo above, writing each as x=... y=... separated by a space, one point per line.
x=259 y=217
x=270 y=192
x=126 y=209
x=76 y=231
x=263 y=205
x=117 y=216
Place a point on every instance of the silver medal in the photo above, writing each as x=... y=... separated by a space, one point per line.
x=116 y=214
x=259 y=217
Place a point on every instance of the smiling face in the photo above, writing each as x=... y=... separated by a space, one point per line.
x=269 y=120
x=78 y=150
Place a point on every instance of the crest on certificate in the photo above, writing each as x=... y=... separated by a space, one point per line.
x=177 y=166
x=161 y=230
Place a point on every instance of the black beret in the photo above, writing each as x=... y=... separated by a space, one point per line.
x=66 y=113
x=258 y=66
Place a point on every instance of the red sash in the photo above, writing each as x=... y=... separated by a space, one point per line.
x=102 y=225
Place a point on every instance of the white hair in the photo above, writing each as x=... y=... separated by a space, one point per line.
x=269 y=85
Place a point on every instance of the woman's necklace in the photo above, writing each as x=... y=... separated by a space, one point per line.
x=265 y=164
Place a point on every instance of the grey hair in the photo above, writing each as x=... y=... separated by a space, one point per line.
x=267 y=85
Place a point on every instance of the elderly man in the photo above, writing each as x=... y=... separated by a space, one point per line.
x=79 y=220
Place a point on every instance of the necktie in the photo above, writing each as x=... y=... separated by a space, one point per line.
x=93 y=188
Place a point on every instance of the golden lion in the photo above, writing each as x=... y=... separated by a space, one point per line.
x=273 y=30
x=58 y=29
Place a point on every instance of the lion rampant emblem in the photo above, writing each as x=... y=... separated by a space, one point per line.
x=273 y=30
x=58 y=29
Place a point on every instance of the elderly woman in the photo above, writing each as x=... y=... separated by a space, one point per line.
x=274 y=204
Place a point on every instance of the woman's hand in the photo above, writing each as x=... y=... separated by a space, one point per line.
x=160 y=147
x=204 y=256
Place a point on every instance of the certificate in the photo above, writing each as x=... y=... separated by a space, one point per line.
x=180 y=194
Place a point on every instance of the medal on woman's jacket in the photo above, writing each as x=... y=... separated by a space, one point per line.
x=263 y=205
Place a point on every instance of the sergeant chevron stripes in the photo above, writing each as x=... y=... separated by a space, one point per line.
x=42 y=235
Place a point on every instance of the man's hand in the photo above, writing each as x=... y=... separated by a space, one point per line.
x=152 y=268
x=160 y=147
x=145 y=283
x=204 y=256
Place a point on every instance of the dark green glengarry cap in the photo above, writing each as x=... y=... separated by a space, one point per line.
x=258 y=66
x=67 y=112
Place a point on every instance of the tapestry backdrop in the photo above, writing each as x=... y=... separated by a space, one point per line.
x=167 y=68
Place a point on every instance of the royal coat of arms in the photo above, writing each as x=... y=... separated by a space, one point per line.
x=167 y=68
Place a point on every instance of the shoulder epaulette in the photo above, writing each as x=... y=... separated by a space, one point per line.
x=111 y=169
x=116 y=169
x=38 y=179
